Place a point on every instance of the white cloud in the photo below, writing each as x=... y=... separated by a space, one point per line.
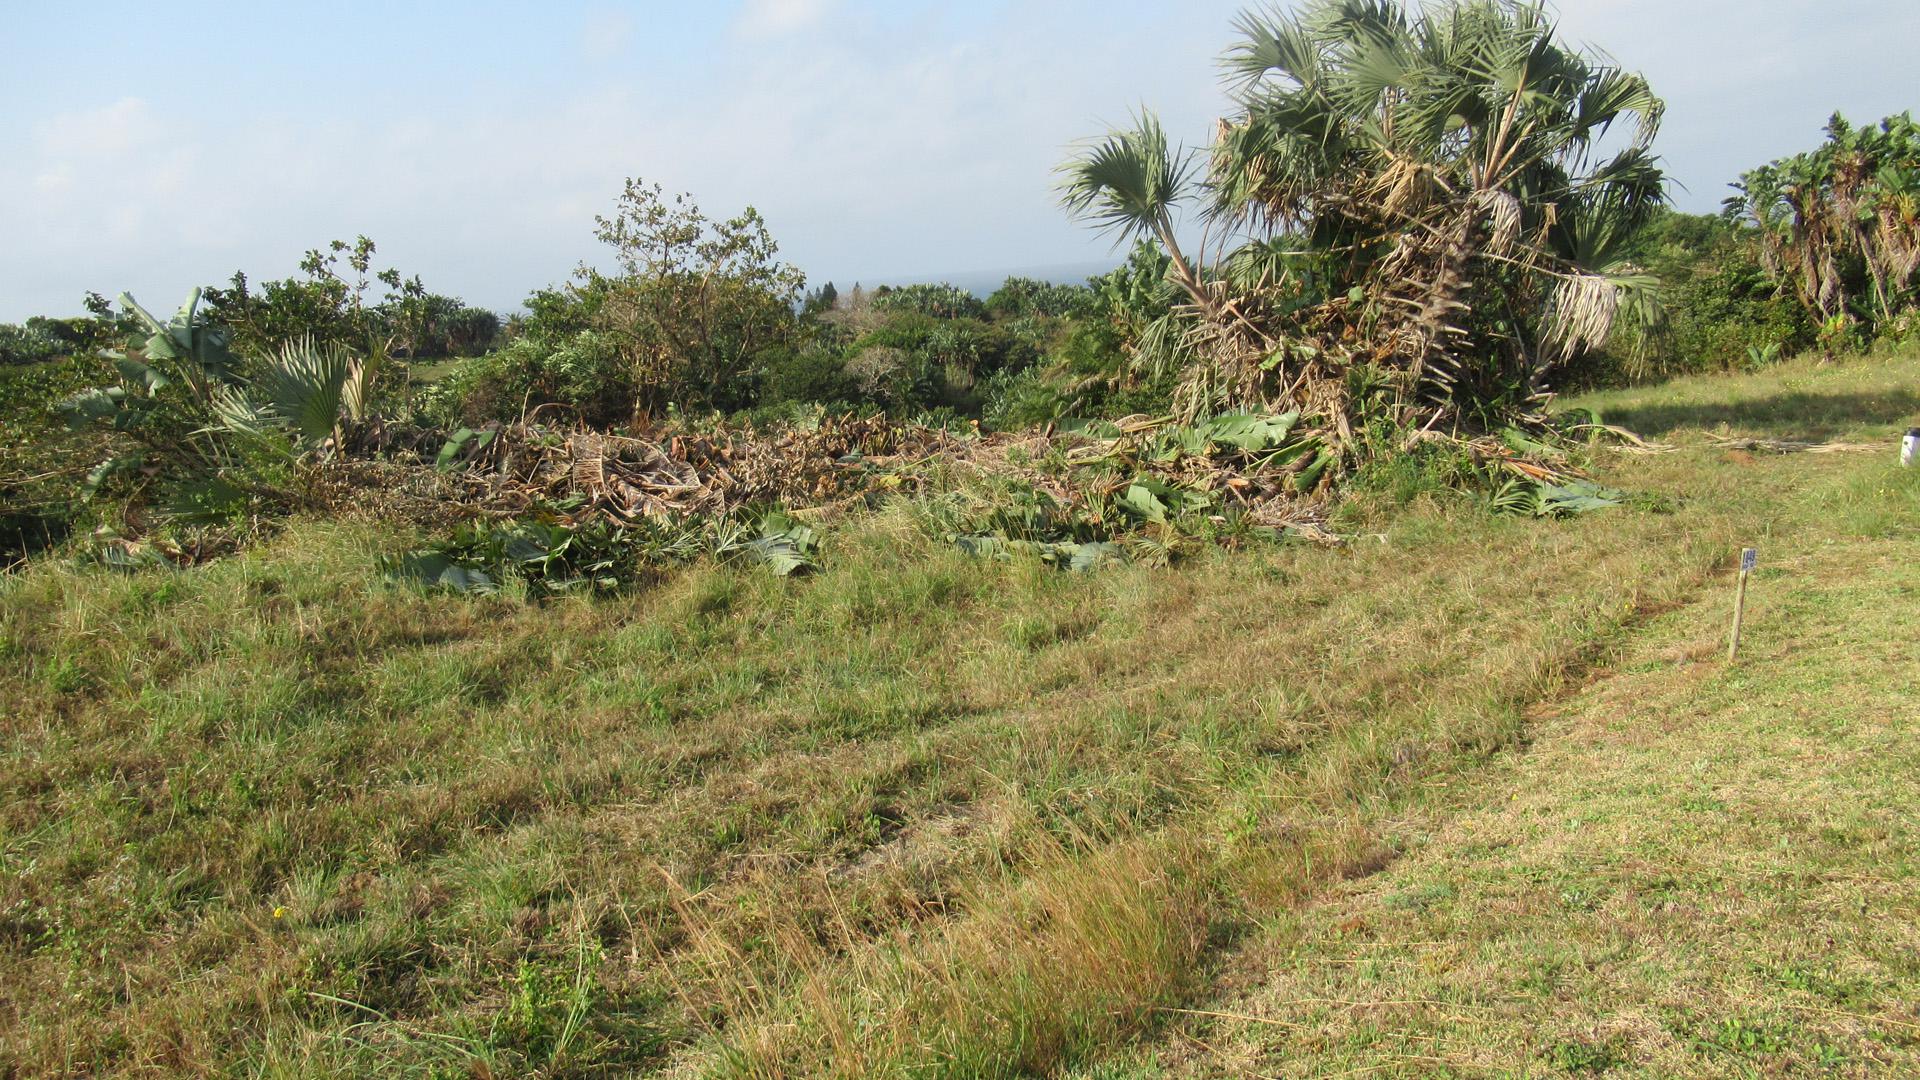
x=773 y=18
x=54 y=180
x=101 y=176
x=902 y=143
x=109 y=131
x=606 y=34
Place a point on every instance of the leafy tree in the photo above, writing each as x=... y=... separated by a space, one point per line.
x=468 y=331
x=821 y=300
x=439 y=326
x=695 y=301
x=330 y=303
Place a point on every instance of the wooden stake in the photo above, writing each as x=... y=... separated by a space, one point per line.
x=1749 y=559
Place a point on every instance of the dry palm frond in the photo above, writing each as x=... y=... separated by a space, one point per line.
x=583 y=475
x=1630 y=443
x=1403 y=187
x=1582 y=314
x=1503 y=214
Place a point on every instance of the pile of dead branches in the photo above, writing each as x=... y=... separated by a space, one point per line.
x=580 y=474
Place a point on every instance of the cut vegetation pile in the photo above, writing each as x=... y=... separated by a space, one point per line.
x=1103 y=476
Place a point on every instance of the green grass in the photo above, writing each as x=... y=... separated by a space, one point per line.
x=917 y=814
x=1697 y=868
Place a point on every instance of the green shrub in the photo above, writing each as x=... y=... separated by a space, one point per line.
x=1022 y=399
x=28 y=344
x=812 y=373
x=1724 y=309
x=1026 y=297
x=330 y=303
x=583 y=372
x=915 y=362
x=935 y=301
x=1729 y=305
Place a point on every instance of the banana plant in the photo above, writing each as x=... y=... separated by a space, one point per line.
x=169 y=380
x=186 y=403
x=185 y=351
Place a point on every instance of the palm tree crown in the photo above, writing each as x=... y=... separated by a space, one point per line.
x=1459 y=183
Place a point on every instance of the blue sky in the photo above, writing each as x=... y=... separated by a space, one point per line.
x=153 y=147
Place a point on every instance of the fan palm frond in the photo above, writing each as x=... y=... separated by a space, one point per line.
x=1128 y=182
x=305 y=387
x=297 y=400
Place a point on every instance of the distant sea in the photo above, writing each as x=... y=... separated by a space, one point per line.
x=982 y=283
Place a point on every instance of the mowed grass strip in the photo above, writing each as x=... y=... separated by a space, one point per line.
x=1697 y=868
x=917 y=814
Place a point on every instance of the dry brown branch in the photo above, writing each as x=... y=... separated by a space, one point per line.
x=580 y=474
x=1785 y=446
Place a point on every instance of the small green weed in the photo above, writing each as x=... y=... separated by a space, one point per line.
x=1583 y=1057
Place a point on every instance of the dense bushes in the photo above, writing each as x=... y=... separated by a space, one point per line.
x=702 y=317
x=1724 y=311
x=333 y=303
x=1020 y=297
x=937 y=301
x=694 y=306
x=813 y=373
x=40 y=339
x=1033 y=352
x=582 y=371
x=39 y=463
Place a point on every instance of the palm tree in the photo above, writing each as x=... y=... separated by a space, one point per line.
x=1461 y=183
x=1130 y=183
x=1840 y=225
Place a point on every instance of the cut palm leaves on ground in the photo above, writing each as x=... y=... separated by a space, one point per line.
x=1077 y=497
x=1788 y=446
x=598 y=556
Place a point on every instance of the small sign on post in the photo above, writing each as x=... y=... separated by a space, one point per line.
x=1749 y=561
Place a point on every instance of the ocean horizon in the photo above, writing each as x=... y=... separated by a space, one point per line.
x=982 y=283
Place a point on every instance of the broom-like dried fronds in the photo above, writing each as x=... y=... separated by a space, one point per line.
x=1582 y=313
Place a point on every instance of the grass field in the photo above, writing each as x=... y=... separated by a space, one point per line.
x=1466 y=793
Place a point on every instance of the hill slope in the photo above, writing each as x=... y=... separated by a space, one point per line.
x=926 y=813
